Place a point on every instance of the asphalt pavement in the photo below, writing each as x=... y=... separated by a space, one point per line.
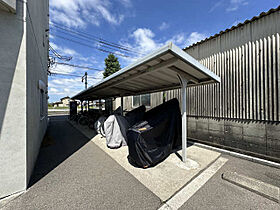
x=218 y=193
x=73 y=173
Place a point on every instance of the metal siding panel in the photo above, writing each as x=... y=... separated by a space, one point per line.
x=243 y=83
x=196 y=98
x=265 y=79
x=212 y=87
x=202 y=95
x=278 y=74
x=274 y=77
x=239 y=87
x=204 y=101
x=270 y=102
x=254 y=79
x=215 y=91
x=205 y=93
x=208 y=100
x=192 y=96
x=210 y=91
x=230 y=91
x=251 y=79
x=189 y=97
x=262 y=115
x=257 y=99
x=238 y=82
x=219 y=86
x=247 y=72
x=233 y=88
x=226 y=84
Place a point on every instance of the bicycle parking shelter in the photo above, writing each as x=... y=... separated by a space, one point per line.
x=164 y=69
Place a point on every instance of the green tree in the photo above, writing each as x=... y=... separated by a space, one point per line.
x=112 y=65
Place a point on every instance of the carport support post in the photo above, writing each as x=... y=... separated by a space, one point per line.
x=184 y=117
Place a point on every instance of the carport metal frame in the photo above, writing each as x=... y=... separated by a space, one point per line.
x=184 y=77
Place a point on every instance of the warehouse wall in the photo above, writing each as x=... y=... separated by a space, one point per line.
x=12 y=102
x=243 y=111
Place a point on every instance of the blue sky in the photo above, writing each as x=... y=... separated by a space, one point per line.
x=140 y=25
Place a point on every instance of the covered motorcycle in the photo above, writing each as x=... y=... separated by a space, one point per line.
x=153 y=139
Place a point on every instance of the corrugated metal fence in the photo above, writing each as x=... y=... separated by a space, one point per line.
x=249 y=88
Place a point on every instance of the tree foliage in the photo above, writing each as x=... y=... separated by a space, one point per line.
x=112 y=65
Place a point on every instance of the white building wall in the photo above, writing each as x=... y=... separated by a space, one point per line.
x=37 y=56
x=24 y=56
x=12 y=102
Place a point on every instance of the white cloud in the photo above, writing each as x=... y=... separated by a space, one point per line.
x=126 y=3
x=216 y=5
x=108 y=16
x=53 y=90
x=64 y=50
x=229 y=5
x=163 y=26
x=62 y=69
x=143 y=40
x=78 y=13
x=51 y=36
x=178 y=39
x=235 y=5
x=60 y=86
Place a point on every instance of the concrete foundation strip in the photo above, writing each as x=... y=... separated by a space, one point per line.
x=267 y=190
x=190 y=189
x=239 y=155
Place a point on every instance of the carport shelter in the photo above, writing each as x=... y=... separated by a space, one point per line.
x=165 y=69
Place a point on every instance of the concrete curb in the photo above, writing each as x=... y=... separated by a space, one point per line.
x=4 y=201
x=267 y=190
x=239 y=155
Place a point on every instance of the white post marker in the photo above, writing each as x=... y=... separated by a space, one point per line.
x=184 y=83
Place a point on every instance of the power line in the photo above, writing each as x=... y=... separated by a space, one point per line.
x=101 y=45
x=95 y=38
x=71 y=75
x=78 y=66
x=67 y=58
x=100 y=49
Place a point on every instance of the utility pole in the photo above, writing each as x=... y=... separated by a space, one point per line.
x=84 y=78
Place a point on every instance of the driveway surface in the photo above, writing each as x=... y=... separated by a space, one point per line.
x=220 y=194
x=73 y=173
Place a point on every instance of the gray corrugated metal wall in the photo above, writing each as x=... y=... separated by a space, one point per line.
x=250 y=81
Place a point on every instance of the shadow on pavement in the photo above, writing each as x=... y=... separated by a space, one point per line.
x=61 y=141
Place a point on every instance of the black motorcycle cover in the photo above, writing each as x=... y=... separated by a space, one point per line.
x=153 y=139
x=135 y=115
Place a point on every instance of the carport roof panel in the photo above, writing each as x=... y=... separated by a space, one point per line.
x=155 y=72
